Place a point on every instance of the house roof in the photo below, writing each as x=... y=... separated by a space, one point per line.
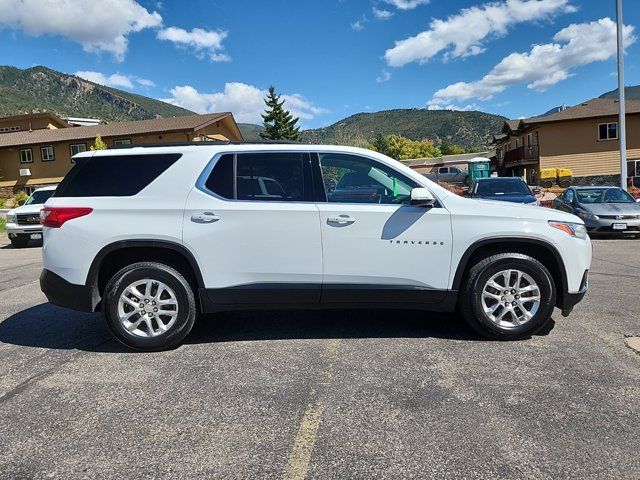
x=596 y=107
x=189 y=123
x=59 y=122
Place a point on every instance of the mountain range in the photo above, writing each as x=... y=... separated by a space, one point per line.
x=41 y=89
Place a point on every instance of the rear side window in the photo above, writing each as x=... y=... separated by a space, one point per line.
x=277 y=176
x=113 y=176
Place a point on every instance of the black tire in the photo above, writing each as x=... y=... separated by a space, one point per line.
x=184 y=295
x=546 y=184
x=475 y=281
x=20 y=241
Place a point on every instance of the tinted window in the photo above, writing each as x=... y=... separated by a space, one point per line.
x=354 y=179
x=270 y=176
x=220 y=181
x=39 y=197
x=503 y=187
x=113 y=176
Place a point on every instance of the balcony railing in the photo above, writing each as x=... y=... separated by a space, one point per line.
x=521 y=155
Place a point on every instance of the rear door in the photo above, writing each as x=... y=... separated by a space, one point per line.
x=253 y=225
x=378 y=248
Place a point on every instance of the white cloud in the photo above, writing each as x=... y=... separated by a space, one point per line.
x=99 y=26
x=116 y=80
x=382 y=14
x=455 y=108
x=544 y=65
x=463 y=34
x=202 y=41
x=358 y=25
x=406 y=4
x=246 y=102
x=385 y=76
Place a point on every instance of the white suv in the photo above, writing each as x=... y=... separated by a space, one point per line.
x=155 y=236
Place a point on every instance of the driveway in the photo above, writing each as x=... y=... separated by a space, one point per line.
x=373 y=394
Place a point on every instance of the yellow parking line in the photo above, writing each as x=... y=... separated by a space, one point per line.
x=298 y=463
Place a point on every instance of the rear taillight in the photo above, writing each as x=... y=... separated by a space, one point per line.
x=55 y=217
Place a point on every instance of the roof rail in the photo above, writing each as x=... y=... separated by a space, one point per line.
x=204 y=144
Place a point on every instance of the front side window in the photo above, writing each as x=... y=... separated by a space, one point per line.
x=608 y=131
x=26 y=156
x=261 y=177
x=569 y=196
x=47 y=154
x=354 y=179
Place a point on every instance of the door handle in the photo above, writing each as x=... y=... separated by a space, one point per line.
x=205 y=217
x=341 y=220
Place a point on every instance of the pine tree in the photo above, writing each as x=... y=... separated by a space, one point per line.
x=278 y=122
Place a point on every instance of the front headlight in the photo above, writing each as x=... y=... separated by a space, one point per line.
x=583 y=214
x=11 y=218
x=574 y=229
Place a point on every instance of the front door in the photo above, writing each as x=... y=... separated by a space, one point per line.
x=254 y=230
x=377 y=248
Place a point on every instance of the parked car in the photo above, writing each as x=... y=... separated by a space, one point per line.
x=603 y=209
x=23 y=222
x=505 y=189
x=155 y=236
x=449 y=175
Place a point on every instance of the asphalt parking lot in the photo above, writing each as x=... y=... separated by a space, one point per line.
x=374 y=394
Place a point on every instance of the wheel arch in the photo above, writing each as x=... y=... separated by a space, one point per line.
x=118 y=254
x=541 y=250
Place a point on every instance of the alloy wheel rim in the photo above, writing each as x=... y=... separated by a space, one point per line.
x=510 y=298
x=147 y=308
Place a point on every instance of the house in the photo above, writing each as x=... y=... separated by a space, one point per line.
x=582 y=138
x=36 y=149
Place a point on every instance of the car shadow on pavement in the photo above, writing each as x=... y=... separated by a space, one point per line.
x=48 y=326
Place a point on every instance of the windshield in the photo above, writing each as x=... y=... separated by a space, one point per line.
x=37 y=198
x=604 y=195
x=503 y=187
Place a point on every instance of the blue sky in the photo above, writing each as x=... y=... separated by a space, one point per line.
x=331 y=58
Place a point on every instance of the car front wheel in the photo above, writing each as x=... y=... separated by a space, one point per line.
x=149 y=306
x=508 y=296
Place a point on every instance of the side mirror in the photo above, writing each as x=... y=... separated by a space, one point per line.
x=536 y=191
x=20 y=203
x=421 y=197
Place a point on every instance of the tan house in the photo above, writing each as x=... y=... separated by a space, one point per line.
x=583 y=138
x=37 y=149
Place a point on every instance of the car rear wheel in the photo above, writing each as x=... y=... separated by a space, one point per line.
x=508 y=296
x=149 y=306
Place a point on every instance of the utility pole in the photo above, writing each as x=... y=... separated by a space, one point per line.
x=622 y=131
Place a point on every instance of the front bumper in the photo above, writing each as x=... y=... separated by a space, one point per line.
x=605 y=225
x=567 y=300
x=17 y=229
x=68 y=295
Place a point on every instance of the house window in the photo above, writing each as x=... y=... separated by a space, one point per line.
x=9 y=129
x=26 y=156
x=47 y=154
x=633 y=173
x=125 y=141
x=608 y=131
x=78 y=148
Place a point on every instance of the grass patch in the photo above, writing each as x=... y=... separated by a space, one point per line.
x=3 y=225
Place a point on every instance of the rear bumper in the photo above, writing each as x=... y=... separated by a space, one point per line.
x=68 y=295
